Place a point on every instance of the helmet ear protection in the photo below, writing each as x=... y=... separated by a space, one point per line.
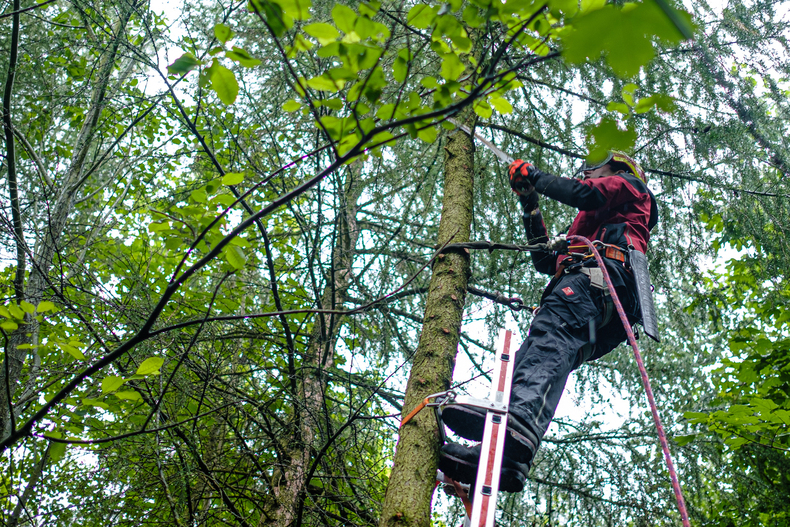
x=617 y=160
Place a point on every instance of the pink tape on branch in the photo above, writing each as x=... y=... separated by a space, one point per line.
x=662 y=437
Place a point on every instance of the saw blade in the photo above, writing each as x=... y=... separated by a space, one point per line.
x=497 y=152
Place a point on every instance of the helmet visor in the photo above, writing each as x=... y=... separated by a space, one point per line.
x=593 y=165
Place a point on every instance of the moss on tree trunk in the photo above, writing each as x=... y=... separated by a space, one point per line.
x=408 y=498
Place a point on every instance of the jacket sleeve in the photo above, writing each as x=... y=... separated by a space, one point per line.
x=591 y=194
x=583 y=196
x=536 y=233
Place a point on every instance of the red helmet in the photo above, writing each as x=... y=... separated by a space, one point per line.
x=616 y=158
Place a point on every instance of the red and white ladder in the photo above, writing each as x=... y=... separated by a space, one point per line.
x=482 y=510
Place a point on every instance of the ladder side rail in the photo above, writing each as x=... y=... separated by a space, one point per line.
x=488 y=473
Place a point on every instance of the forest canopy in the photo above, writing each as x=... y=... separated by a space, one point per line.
x=221 y=267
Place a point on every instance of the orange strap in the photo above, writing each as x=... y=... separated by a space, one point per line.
x=464 y=499
x=614 y=253
x=414 y=412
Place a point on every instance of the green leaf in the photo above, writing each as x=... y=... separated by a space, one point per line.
x=291 y=105
x=462 y=43
x=199 y=196
x=5 y=312
x=223 y=81
x=365 y=27
x=337 y=104
x=71 y=350
x=223 y=33
x=150 y=366
x=235 y=256
x=501 y=104
x=369 y=9
x=183 y=64
x=226 y=200
x=627 y=60
x=567 y=7
x=607 y=136
x=696 y=417
x=429 y=82
x=736 y=442
x=472 y=16
x=232 y=178
x=375 y=84
x=323 y=33
x=592 y=5
x=278 y=21
x=618 y=107
x=43 y=306
x=452 y=67
x=8 y=325
x=242 y=57
x=15 y=311
x=326 y=83
x=27 y=307
x=111 y=383
x=483 y=109
x=428 y=134
x=628 y=93
x=128 y=395
x=299 y=9
x=300 y=44
x=680 y=19
x=344 y=18
x=93 y=402
x=57 y=450
x=660 y=101
x=685 y=440
x=421 y=16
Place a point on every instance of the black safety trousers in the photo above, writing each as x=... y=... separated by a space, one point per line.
x=559 y=341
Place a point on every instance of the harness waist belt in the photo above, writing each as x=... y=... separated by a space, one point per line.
x=609 y=251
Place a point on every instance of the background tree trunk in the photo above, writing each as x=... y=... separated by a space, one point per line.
x=310 y=421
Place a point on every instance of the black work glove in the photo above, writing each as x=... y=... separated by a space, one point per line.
x=529 y=202
x=521 y=175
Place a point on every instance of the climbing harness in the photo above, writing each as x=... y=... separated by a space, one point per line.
x=481 y=511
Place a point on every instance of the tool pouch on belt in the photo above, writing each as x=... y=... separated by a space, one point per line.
x=644 y=290
x=597 y=282
x=596 y=278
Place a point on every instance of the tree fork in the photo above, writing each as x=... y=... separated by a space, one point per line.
x=411 y=485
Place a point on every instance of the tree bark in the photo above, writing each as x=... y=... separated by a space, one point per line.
x=37 y=281
x=413 y=478
x=13 y=521
x=319 y=356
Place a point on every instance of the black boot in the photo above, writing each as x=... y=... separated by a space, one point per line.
x=469 y=422
x=460 y=463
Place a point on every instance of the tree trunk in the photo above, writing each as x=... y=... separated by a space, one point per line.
x=413 y=478
x=319 y=357
x=37 y=282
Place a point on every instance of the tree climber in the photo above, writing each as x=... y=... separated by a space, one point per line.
x=574 y=323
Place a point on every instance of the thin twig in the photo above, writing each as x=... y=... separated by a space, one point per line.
x=19 y=11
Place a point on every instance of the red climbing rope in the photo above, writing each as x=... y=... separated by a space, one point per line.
x=645 y=381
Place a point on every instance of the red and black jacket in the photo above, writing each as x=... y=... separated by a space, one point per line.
x=618 y=210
